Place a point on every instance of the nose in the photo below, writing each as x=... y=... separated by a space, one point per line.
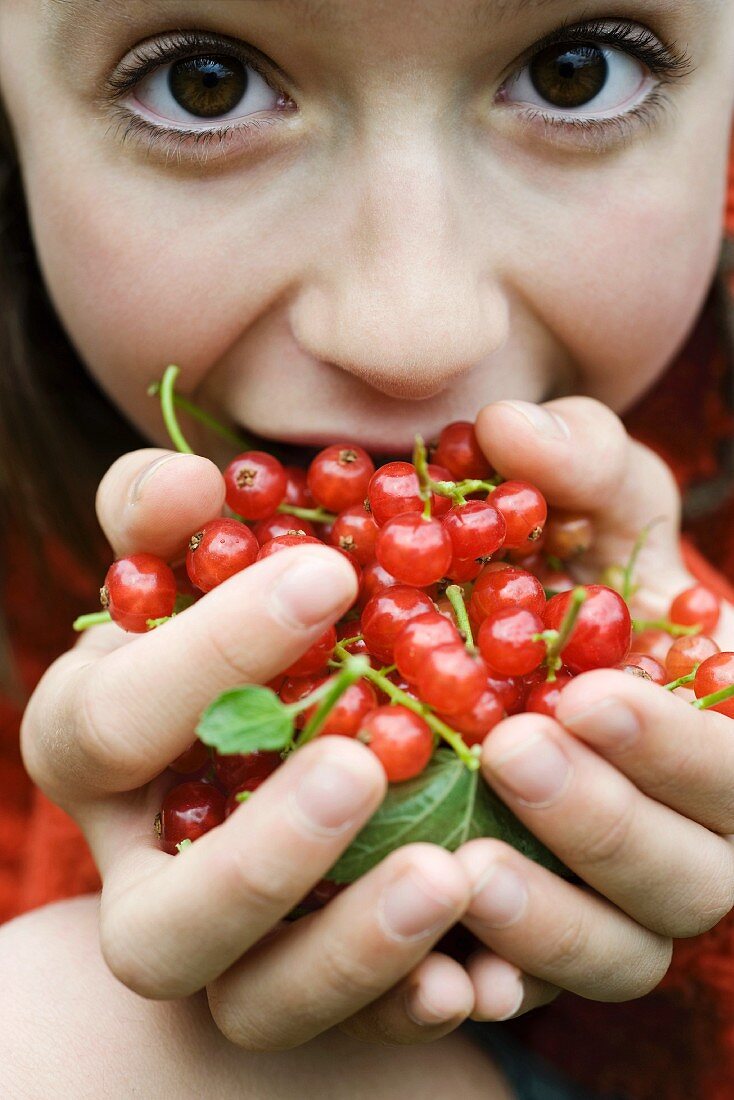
x=403 y=294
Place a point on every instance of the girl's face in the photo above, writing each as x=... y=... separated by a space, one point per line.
x=363 y=218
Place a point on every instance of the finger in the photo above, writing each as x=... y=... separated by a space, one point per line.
x=563 y=935
x=578 y=454
x=334 y=963
x=153 y=500
x=113 y=724
x=502 y=991
x=667 y=872
x=170 y=925
x=676 y=754
x=435 y=998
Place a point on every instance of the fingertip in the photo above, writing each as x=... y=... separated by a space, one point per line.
x=439 y=992
x=498 y=987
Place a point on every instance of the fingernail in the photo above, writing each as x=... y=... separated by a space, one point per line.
x=311 y=592
x=331 y=797
x=149 y=472
x=501 y=897
x=542 y=420
x=423 y=1013
x=609 y=723
x=536 y=770
x=410 y=908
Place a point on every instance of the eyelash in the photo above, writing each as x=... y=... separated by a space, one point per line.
x=664 y=61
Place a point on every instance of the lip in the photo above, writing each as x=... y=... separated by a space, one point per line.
x=299 y=448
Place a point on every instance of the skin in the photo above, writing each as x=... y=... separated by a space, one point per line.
x=305 y=299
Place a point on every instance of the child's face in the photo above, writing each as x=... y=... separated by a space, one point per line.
x=415 y=208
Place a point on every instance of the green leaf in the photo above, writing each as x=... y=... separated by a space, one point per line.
x=246 y=719
x=447 y=805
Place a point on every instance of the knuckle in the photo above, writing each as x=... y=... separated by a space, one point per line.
x=604 y=840
x=235 y=659
x=346 y=972
x=261 y=886
x=569 y=945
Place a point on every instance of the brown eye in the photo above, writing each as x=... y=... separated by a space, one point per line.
x=569 y=76
x=208 y=87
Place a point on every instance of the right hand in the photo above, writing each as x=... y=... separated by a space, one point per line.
x=110 y=715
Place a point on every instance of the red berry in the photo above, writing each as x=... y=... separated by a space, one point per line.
x=220 y=549
x=511 y=690
x=348 y=712
x=601 y=636
x=293 y=690
x=234 y=770
x=715 y=674
x=686 y=653
x=501 y=586
x=248 y=785
x=355 y=531
x=654 y=643
x=506 y=641
x=282 y=523
x=316 y=657
x=474 y=724
x=188 y=811
x=296 y=488
x=459 y=451
x=415 y=550
x=400 y=739
x=255 y=484
x=374 y=579
x=567 y=535
x=283 y=542
x=639 y=664
x=476 y=529
x=339 y=476
x=395 y=489
x=385 y=615
x=462 y=570
x=696 y=606
x=543 y=697
x=525 y=512
x=138 y=588
x=192 y=759
x=450 y=679
x=416 y=640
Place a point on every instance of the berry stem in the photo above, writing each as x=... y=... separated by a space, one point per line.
x=95 y=618
x=420 y=461
x=167 y=396
x=455 y=595
x=396 y=695
x=152 y=624
x=675 y=629
x=205 y=418
x=182 y=844
x=681 y=681
x=716 y=697
x=353 y=669
x=315 y=515
x=628 y=588
x=556 y=640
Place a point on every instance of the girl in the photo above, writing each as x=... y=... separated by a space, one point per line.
x=349 y=220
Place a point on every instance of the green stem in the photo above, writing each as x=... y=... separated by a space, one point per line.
x=455 y=595
x=168 y=409
x=555 y=645
x=152 y=624
x=205 y=418
x=420 y=461
x=681 y=681
x=716 y=697
x=353 y=669
x=396 y=695
x=313 y=515
x=95 y=618
x=627 y=586
x=674 y=629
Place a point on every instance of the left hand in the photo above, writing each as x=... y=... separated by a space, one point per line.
x=631 y=787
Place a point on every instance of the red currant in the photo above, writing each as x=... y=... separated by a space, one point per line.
x=543 y=697
x=474 y=724
x=233 y=770
x=686 y=653
x=316 y=657
x=255 y=484
x=138 y=588
x=511 y=690
x=640 y=664
x=459 y=451
x=374 y=579
x=476 y=529
x=296 y=489
x=567 y=535
x=293 y=690
x=501 y=586
x=461 y=570
x=715 y=674
x=339 y=476
x=248 y=785
x=601 y=635
x=220 y=549
x=506 y=641
x=355 y=531
x=385 y=615
x=395 y=489
x=192 y=759
x=400 y=739
x=654 y=643
x=415 y=550
x=281 y=524
x=416 y=640
x=696 y=606
x=345 y=717
x=451 y=679
x=283 y=542
x=524 y=509
x=188 y=811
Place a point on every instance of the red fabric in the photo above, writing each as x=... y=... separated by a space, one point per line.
x=677 y=1043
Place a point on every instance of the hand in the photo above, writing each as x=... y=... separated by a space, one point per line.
x=630 y=786
x=111 y=714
